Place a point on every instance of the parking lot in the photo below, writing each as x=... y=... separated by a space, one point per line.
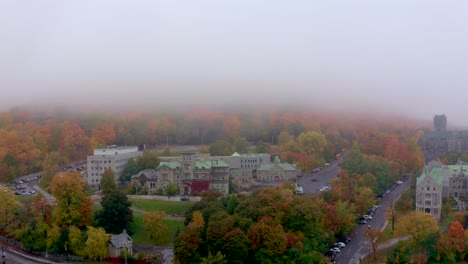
x=24 y=185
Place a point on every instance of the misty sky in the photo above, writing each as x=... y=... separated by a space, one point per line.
x=407 y=57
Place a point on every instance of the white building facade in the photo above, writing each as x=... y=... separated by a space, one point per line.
x=113 y=157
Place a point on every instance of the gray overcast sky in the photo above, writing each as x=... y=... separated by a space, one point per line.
x=407 y=57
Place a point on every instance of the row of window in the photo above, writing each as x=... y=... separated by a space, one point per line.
x=251 y=161
x=101 y=161
x=99 y=168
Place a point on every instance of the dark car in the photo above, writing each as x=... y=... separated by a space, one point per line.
x=184 y=198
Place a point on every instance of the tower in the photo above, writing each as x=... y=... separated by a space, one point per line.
x=440 y=122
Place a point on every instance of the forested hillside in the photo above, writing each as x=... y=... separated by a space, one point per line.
x=38 y=140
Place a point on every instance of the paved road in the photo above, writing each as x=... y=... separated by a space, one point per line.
x=15 y=257
x=360 y=246
x=312 y=182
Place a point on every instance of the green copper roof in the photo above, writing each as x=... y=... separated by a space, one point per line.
x=437 y=175
x=458 y=169
x=202 y=164
x=219 y=163
x=236 y=154
x=283 y=166
x=171 y=164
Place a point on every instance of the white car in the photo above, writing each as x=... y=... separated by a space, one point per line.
x=325 y=188
x=299 y=190
x=367 y=217
x=340 y=245
x=335 y=250
x=399 y=182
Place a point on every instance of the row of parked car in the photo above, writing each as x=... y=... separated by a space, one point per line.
x=35 y=178
x=337 y=247
x=366 y=218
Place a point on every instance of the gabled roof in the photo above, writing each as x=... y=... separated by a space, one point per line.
x=284 y=166
x=235 y=154
x=148 y=173
x=171 y=164
x=436 y=174
x=122 y=240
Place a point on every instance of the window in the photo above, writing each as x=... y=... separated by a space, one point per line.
x=428 y=188
x=427 y=203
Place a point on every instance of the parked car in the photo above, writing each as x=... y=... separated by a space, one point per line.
x=340 y=245
x=367 y=217
x=335 y=250
x=184 y=198
x=345 y=240
x=362 y=221
x=299 y=190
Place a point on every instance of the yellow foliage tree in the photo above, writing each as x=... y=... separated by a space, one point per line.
x=96 y=244
x=154 y=226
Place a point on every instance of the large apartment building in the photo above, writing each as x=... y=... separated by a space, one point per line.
x=113 y=157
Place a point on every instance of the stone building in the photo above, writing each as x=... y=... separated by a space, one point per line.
x=195 y=172
x=276 y=172
x=440 y=181
x=146 y=179
x=429 y=190
x=439 y=142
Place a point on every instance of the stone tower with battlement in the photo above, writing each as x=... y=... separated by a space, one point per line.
x=440 y=122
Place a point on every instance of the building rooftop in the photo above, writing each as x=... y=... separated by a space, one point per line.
x=148 y=173
x=437 y=175
x=122 y=240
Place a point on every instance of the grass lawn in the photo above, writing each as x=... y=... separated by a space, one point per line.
x=172 y=208
x=141 y=237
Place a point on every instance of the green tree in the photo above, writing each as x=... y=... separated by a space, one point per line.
x=236 y=246
x=115 y=214
x=418 y=225
x=130 y=169
x=221 y=148
x=8 y=204
x=96 y=244
x=262 y=147
x=187 y=243
x=216 y=259
x=241 y=145
x=75 y=241
x=312 y=142
x=73 y=206
x=267 y=234
x=172 y=190
x=219 y=224
x=154 y=226
x=167 y=151
x=108 y=181
x=149 y=160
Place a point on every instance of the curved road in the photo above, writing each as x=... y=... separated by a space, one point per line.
x=15 y=257
x=360 y=246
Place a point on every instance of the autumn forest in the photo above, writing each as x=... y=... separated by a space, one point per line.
x=269 y=226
